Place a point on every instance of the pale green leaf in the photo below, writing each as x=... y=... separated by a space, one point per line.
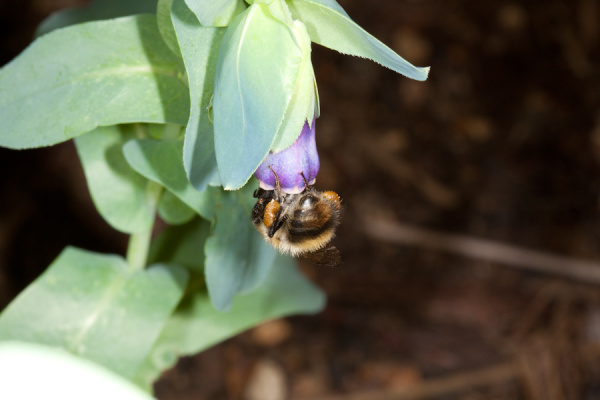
x=216 y=12
x=200 y=48
x=97 y=10
x=237 y=257
x=161 y=162
x=31 y=371
x=75 y=79
x=165 y=25
x=257 y=71
x=196 y=325
x=93 y=305
x=118 y=192
x=173 y=211
x=329 y=25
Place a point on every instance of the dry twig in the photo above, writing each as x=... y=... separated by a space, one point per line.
x=509 y=255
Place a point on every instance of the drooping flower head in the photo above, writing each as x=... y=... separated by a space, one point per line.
x=265 y=88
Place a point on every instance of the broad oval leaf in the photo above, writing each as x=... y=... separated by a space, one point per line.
x=330 y=26
x=161 y=162
x=93 y=305
x=216 y=12
x=196 y=325
x=237 y=257
x=257 y=71
x=75 y=79
x=200 y=49
x=32 y=371
x=118 y=192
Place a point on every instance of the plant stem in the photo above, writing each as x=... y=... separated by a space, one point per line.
x=139 y=243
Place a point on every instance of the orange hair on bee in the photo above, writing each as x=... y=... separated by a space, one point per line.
x=334 y=198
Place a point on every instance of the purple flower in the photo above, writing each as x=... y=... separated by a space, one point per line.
x=289 y=164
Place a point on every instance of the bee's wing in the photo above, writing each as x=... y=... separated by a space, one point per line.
x=328 y=256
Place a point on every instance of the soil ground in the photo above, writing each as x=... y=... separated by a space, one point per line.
x=501 y=144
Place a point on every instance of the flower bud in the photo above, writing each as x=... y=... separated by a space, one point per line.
x=289 y=164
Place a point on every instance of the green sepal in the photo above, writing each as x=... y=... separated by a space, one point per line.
x=304 y=105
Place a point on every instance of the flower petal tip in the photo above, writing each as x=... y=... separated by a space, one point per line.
x=291 y=164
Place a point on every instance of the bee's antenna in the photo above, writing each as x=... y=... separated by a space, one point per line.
x=304 y=179
x=277 y=185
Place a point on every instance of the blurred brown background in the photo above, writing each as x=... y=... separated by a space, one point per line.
x=501 y=144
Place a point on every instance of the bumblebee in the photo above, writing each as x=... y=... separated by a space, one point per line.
x=301 y=224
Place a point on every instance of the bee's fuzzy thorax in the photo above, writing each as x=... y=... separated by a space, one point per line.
x=301 y=224
x=307 y=220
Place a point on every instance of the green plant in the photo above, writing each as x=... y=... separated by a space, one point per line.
x=172 y=106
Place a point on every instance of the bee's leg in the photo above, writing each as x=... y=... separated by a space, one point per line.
x=264 y=197
x=261 y=193
x=277 y=186
x=258 y=212
x=279 y=221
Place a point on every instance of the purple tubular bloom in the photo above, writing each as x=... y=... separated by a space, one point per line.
x=301 y=157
